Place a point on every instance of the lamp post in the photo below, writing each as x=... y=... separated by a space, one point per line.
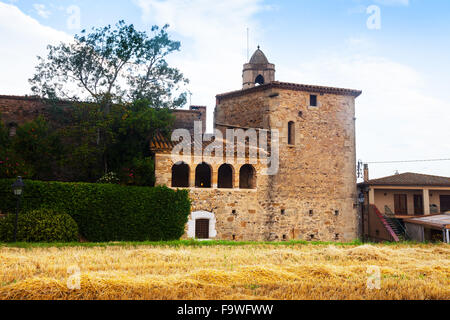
x=17 y=188
x=361 y=200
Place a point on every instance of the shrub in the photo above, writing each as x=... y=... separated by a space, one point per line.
x=142 y=173
x=42 y=225
x=109 y=178
x=107 y=212
x=12 y=166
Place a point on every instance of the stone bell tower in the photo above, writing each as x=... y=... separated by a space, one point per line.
x=258 y=71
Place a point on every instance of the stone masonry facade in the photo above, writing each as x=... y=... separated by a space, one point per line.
x=313 y=196
x=17 y=110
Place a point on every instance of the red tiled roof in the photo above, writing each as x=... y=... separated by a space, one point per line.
x=162 y=144
x=292 y=86
x=411 y=179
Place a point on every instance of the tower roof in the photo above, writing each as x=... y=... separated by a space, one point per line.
x=259 y=57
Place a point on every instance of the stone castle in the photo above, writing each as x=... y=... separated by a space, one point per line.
x=312 y=196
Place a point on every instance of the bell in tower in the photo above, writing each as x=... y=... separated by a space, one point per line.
x=258 y=71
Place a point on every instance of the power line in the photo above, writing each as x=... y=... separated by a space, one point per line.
x=408 y=161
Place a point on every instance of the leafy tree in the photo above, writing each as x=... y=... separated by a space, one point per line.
x=132 y=128
x=4 y=137
x=11 y=165
x=38 y=146
x=83 y=159
x=112 y=65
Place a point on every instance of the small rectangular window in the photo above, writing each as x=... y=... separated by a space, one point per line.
x=313 y=100
x=291 y=133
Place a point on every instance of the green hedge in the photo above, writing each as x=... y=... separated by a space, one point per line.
x=42 y=225
x=107 y=212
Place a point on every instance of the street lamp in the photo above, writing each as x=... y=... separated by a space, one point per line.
x=361 y=198
x=17 y=188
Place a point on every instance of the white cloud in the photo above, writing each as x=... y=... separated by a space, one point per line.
x=214 y=41
x=398 y=117
x=24 y=39
x=41 y=10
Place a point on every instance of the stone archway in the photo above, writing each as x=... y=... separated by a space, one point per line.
x=198 y=219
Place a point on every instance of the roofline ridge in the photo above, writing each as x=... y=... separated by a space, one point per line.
x=292 y=86
x=415 y=173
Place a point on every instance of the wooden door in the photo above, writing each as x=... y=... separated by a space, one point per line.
x=401 y=204
x=202 y=229
x=418 y=205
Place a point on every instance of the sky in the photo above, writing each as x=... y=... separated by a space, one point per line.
x=395 y=51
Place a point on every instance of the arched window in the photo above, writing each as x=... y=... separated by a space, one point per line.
x=291 y=133
x=259 y=80
x=225 y=178
x=247 y=177
x=180 y=175
x=203 y=176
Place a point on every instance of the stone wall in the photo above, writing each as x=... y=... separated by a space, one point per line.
x=238 y=212
x=185 y=118
x=251 y=110
x=313 y=196
x=16 y=110
x=318 y=171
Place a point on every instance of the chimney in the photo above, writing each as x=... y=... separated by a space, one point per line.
x=202 y=114
x=366 y=172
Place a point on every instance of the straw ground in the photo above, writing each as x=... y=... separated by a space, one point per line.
x=259 y=271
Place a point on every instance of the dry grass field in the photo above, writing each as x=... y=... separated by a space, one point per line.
x=226 y=272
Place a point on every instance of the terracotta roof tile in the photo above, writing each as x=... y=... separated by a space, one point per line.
x=292 y=86
x=411 y=179
x=161 y=144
